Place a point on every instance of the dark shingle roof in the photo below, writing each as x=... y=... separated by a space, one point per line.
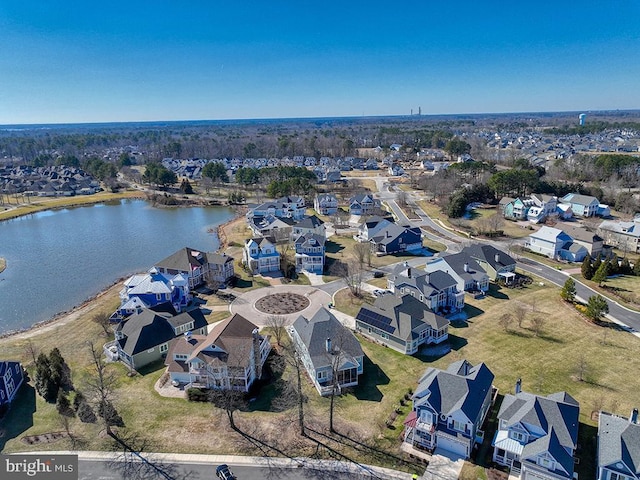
x=310 y=222
x=315 y=331
x=427 y=283
x=618 y=441
x=488 y=254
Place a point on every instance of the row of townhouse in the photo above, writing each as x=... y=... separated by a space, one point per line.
x=538 y=207
x=59 y=180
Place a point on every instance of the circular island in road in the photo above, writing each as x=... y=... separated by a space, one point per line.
x=282 y=303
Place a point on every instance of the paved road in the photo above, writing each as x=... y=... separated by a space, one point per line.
x=107 y=470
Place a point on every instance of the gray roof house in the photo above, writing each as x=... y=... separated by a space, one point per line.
x=437 y=289
x=537 y=436
x=197 y=266
x=402 y=323
x=308 y=224
x=449 y=408
x=623 y=235
x=582 y=205
x=495 y=262
x=618 y=447
x=325 y=203
x=144 y=337
x=589 y=240
x=468 y=274
x=330 y=352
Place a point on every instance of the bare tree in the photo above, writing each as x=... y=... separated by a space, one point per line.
x=277 y=324
x=401 y=198
x=293 y=360
x=362 y=254
x=100 y=388
x=537 y=324
x=230 y=400
x=581 y=368
x=519 y=312
x=31 y=350
x=351 y=273
x=505 y=321
x=102 y=319
x=495 y=222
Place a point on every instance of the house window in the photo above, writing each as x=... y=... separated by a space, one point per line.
x=500 y=453
x=546 y=463
x=458 y=426
x=322 y=375
x=617 y=476
x=158 y=296
x=164 y=347
x=517 y=436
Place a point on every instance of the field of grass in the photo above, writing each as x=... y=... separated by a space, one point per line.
x=624 y=289
x=39 y=204
x=347 y=303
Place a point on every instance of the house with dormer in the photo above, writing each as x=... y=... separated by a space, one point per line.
x=261 y=256
x=330 y=352
x=437 y=289
x=309 y=225
x=537 y=435
x=622 y=235
x=618 y=447
x=154 y=288
x=144 y=337
x=497 y=264
x=402 y=323
x=197 y=266
x=394 y=238
x=230 y=357
x=581 y=205
x=279 y=228
x=292 y=206
x=556 y=244
x=364 y=204
x=449 y=408
x=371 y=226
x=325 y=203
x=468 y=273
x=310 y=253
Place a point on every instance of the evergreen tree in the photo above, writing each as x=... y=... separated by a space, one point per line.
x=568 y=292
x=185 y=187
x=45 y=384
x=636 y=269
x=601 y=274
x=625 y=267
x=63 y=405
x=596 y=307
x=587 y=268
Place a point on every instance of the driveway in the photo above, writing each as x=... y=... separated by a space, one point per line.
x=245 y=304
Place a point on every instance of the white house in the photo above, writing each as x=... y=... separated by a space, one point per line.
x=260 y=255
x=618 y=447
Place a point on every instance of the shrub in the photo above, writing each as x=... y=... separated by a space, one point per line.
x=197 y=395
x=86 y=414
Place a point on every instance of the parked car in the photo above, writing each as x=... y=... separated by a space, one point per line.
x=223 y=472
x=378 y=274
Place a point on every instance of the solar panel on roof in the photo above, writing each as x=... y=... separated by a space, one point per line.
x=375 y=320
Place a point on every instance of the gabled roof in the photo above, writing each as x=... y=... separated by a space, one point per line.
x=314 y=333
x=144 y=330
x=390 y=233
x=262 y=241
x=462 y=386
x=618 y=441
x=185 y=260
x=457 y=262
x=152 y=282
x=558 y=411
x=219 y=259
x=309 y=222
x=403 y=317
x=326 y=197
x=487 y=253
x=427 y=283
x=580 y=199
x=550 y=234
x=311 y=240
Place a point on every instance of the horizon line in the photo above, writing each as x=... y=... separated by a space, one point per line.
x=343 y=117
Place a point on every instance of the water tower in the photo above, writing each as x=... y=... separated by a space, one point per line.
x=582 y=117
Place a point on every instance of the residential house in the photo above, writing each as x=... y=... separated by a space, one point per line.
x=401 y=322
x=364 y=204
x=468 y=274
x=618 y=447
x=312 y=225
x=395 y=170
x=287 y=207
x=437 y=289
x=230 y=357
x=537 y=436
x=589 y=240
x=325 y=203
x=11 y=378
x=450 y=407
x=582 y=205
x=310 y=252
x=280 y=228
x=330 y=352
x=395 y=238
x=371 y=226
x=144 y=337
x=515 y=209
x=564 y=211
x=544 y=206
x=556 y=244
x=260 y=255
x=154 y=288
x=197 y=266
x=496 y=263
x=622 y=235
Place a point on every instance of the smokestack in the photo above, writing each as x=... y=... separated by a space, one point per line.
x=328 y=345
x=497 y=258
x=466 y=267
x=518 y=386
x=634 y=416
x=409 y=272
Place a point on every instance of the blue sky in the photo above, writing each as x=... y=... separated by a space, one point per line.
x=63 y=61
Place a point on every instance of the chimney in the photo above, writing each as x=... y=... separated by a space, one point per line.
x=466 y=267
x=634 y=416
x=409 y=272
x=187 y=336
x=497 y=258
x=518 y=386
x=328 y=345
x=388 y=234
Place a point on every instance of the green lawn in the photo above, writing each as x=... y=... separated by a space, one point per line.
x=347 y=303
x=624 y=289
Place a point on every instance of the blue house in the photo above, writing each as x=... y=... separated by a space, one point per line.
x=396 y=238
x=261 y=256
x=152 y=289
x=582 y=205
x=11 y=377
x=310 y=253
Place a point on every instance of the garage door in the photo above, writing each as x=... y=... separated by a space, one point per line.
x=451 y=445
x=529 y=475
